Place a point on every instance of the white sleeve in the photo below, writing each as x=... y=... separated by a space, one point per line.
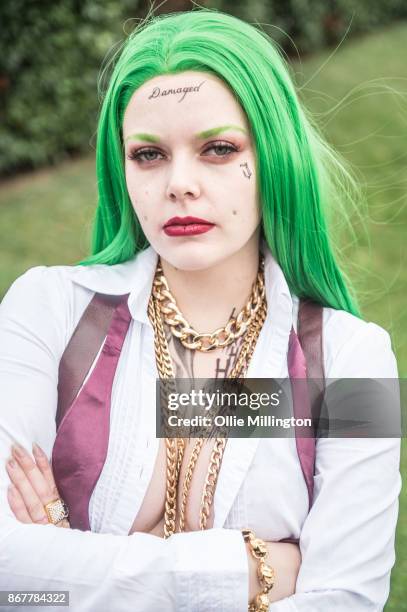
x=347 y=540
x=190 y=571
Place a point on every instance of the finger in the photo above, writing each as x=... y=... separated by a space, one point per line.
x=38 y=482
x=45 y=469
x=17 y=505
x=31 y=500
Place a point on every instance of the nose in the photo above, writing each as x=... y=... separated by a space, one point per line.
x=182 y=182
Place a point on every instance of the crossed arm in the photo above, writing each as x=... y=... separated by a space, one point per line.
x=33 y=486
x=347 y=540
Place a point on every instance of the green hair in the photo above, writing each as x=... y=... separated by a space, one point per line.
x=300 y=178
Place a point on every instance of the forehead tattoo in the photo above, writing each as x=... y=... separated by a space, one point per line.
x=157 y=92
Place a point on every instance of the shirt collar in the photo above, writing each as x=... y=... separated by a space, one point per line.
x=269 y=358
x=135 y=277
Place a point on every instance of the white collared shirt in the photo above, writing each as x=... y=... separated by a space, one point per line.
x=347 y=539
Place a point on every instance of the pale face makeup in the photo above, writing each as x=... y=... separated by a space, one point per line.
x=188 y=153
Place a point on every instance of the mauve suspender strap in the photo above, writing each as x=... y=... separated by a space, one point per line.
x=83 y=347
x=310 y=336
x=310 y=326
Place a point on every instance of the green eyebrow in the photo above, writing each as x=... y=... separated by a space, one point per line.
x=219 y=130
x=143 y=136
x=200 y=135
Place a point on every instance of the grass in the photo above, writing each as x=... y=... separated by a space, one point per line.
x=45 y=218
x=369 y=128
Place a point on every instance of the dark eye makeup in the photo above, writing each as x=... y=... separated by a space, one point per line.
x=142 y=155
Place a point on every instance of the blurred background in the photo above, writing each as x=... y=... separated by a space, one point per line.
x=348 y=60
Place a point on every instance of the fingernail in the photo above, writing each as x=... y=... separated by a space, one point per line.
x=37 y=450
x=11 y=463
x=18 y=450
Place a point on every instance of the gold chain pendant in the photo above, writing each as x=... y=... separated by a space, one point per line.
x=221 y=337
x=175 y=447
x=238 y=371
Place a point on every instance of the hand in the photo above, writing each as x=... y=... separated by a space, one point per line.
x=285 y=559
x=32 y=487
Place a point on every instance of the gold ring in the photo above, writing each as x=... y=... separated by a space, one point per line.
x=57 y=511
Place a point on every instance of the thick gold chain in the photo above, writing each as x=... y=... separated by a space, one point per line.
x=175 y=447
x=220 y=443
x=187 y=481
x=221 y=337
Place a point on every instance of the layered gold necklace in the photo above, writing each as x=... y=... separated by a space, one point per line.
x=162 y=306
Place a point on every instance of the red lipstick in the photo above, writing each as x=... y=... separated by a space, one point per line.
x=187 y=226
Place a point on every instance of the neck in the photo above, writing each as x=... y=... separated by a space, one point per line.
x=207 y=298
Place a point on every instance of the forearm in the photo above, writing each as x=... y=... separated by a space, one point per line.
x=347 y=567
x=285 y=560
x=34 y=487
x=335 y=600
x=103 y=571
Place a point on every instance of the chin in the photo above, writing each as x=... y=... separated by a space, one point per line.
x=191 y=264
x=192 y=257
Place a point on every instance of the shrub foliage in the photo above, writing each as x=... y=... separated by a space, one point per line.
x=52 y=53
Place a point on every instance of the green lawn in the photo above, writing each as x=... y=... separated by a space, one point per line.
x=370 y=130
x=45 y=218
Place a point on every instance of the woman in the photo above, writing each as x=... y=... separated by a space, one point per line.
x=206 y=164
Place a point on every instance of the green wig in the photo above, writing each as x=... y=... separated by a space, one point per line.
x=299 y=176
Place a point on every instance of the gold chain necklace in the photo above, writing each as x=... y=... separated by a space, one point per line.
x=238 y=371
x=175 y=447
x=221 y=337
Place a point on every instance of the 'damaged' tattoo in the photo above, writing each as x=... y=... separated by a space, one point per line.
x=246 y=170
x=179 y=90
